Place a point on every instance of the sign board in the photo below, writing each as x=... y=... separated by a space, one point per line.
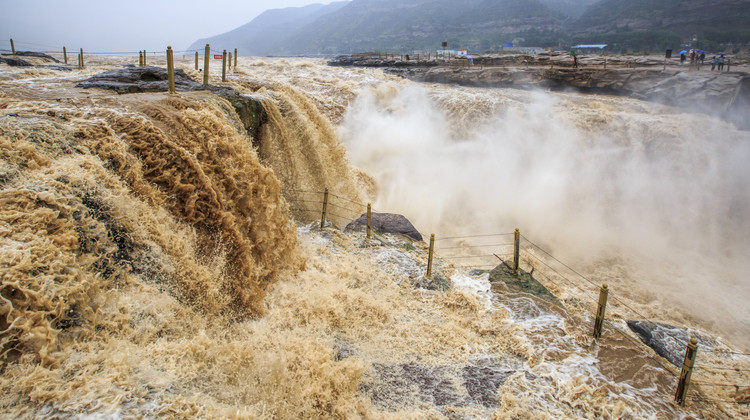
x=445 y=44
x=669 y=54
x=218 y=56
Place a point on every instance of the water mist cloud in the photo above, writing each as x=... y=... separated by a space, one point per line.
x=590 y=176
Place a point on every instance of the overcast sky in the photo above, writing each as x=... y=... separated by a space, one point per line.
x=126 y=25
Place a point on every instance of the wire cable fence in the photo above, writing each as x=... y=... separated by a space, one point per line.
x=331 y=209
x=471 y=252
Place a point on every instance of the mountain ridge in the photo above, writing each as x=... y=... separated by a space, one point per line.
x=480 y=25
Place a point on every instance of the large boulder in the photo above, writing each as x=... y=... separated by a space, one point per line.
x=155 y=79
x=522 y=282
x=37 y=55
x=385 y=223
x=668 y=341
x=15 y=62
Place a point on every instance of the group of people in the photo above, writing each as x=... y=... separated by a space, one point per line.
x=697 y=59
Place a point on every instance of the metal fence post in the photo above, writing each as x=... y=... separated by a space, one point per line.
x=429 y=256
x=65 y=56
x=206 y=58
x=170 y=69
x=325 y=209
x=601 y=309
x=224 y=66
x=687 y=371
x=516 y=251
x=369 y=220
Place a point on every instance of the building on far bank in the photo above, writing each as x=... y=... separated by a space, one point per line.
x=589 y=48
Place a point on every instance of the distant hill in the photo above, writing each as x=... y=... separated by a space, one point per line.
x=480 y=25
x=571 y=8
x=264 y=34
x=404 y=25
x=649 y=22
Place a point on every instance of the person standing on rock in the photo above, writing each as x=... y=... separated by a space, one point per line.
x=682 y=58
x=714 y=61
x=721 y=63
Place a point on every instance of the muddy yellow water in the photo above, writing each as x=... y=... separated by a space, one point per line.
x=155 y=263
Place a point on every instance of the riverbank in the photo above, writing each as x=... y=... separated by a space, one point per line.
x=696 y=89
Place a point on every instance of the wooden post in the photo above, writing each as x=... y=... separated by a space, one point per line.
x=196 y=60
x=429 y=257
x=728 y=63
x=229 y=64
x=206 y=58
x=224 y=66
x=144 y=58
x=65 y=56
x=516 y=250
x=140 y=58
x=235 y=58
x=12 y=46
x=325 y=209
x=170 y=69
x=599 y=323
x=687 y=371
x=369 y=220
x=82 y=65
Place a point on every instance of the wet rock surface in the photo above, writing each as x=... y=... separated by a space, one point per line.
x=385 y=223
x=668 y=341
x=15 y=62
x=443 y=386
x=155 y=79
x=523 y=282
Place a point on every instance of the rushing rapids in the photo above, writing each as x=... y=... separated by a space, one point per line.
x=151 y=265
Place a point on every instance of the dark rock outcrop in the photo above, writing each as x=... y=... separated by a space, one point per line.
x=523 y=282
x=667 y=341
x=15 y=62
x=385 y=223
x=443 y=386
x=155 y=79
x=37 y=55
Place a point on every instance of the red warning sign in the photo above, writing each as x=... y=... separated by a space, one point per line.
x=218 y=56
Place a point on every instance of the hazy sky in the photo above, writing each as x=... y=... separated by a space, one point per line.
x=126 y=25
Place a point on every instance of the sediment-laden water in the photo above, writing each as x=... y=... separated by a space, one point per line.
x=157 y=261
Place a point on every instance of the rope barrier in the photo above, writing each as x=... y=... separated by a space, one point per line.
x=346 y=199
x=307 y=201
x=564 y=265
x=719 y=385
x=343 y=208
x=471 y=236
x=468 y=256
x=733 y=353
x=707 y=367
x=305 y=192
x=615 y=298
x=472 y=246
x=593 y=299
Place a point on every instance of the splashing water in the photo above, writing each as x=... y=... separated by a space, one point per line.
x=149 y=266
